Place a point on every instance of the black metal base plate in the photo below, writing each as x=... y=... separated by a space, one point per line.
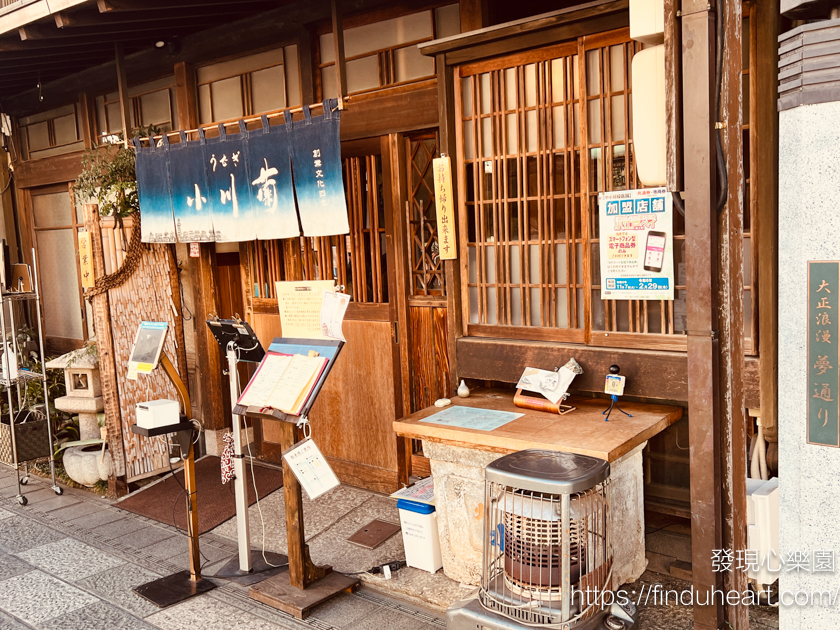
x=259 y=569
x=173 y=589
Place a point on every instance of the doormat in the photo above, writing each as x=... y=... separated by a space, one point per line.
x=165 y=501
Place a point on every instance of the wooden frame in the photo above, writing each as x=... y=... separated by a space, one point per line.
x=246 y=94
x=511 y=303
x=385 y=56
x=136 y=109
x=26 y=150
x=62 y=344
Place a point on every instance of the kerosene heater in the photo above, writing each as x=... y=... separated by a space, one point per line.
x=547 y=554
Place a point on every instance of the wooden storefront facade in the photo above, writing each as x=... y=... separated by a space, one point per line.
x=535 y=110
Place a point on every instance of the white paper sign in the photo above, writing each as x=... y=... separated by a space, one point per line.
x=552 y=385
x=423 y=492
x=637 y=250
x=311 y=469
x=332 y=314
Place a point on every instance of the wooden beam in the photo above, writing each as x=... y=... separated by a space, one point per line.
x=733 y=418
x=87 y=114
x=107 y=361
x=764 y=174
x=57 y=48
x=673 y=98
x=80 y=19
x=452 y=268
x=526 y=25
x=401 y=109
x=338 y=42
x=115 y=6
x=57 y=170
x=122 y=87
x=185 y=95
x=306 y=45
x=474 y=15
x=503 y=360
x=149 y=29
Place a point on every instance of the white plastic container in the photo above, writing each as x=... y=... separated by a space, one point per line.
x=420 y=535
x=157 y=413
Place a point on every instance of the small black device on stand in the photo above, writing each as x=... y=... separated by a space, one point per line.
x=239 y=343
x=613 y=377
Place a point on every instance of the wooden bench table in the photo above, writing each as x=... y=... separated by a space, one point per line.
x=459 y=455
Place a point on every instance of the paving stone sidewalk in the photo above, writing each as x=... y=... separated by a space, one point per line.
x=69 y=563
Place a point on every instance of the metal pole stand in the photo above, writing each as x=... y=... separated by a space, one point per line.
x=175 y=588
x=614 y=405
x=245 y=569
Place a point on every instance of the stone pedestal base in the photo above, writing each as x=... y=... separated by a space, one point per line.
x=459 y=498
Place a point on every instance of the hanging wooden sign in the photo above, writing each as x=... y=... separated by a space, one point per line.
x=86 y=260
x=823 y=354
x=445 y=204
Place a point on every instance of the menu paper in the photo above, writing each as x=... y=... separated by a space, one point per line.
x=283 y=382
x=300 y=306
x=311 y=469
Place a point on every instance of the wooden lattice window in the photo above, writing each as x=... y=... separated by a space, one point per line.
x=611 y=166
x=541 y=134
x=356 y=260
x=520 y=167
x=249 y=85
x=426 y=266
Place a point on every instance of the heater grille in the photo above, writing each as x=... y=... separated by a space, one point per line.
x=547 y=537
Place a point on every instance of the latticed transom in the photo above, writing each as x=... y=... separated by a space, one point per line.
x=426 y=265
x=358 y=260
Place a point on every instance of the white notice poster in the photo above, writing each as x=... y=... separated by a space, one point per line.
x=311 y=469
x=637 y=251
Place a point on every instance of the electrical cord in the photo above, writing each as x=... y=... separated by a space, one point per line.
x=723 y=178
x=190 y=532
x=395 y=565
x=257 y=495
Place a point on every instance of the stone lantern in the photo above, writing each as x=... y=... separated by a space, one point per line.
x=84 y=464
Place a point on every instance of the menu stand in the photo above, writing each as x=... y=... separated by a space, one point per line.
x=306 y=585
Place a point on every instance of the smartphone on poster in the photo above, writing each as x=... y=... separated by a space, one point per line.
x=654 y=251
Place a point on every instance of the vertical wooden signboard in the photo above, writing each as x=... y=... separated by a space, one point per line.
x=445 y=208
x=823 y=355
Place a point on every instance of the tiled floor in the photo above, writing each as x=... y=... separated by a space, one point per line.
x=69 y=563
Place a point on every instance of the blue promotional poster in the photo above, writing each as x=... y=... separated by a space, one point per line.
x=192 y=200
x=234 y=217
x=317 y=167
x=152 y=167
x=270 y=176
x=637 y=250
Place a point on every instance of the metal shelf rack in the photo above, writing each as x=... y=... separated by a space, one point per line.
x=24 y=376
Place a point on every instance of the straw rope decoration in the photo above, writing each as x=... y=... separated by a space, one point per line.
x=132 y=259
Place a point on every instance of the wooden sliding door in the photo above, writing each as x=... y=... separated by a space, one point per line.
x=352 y=419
